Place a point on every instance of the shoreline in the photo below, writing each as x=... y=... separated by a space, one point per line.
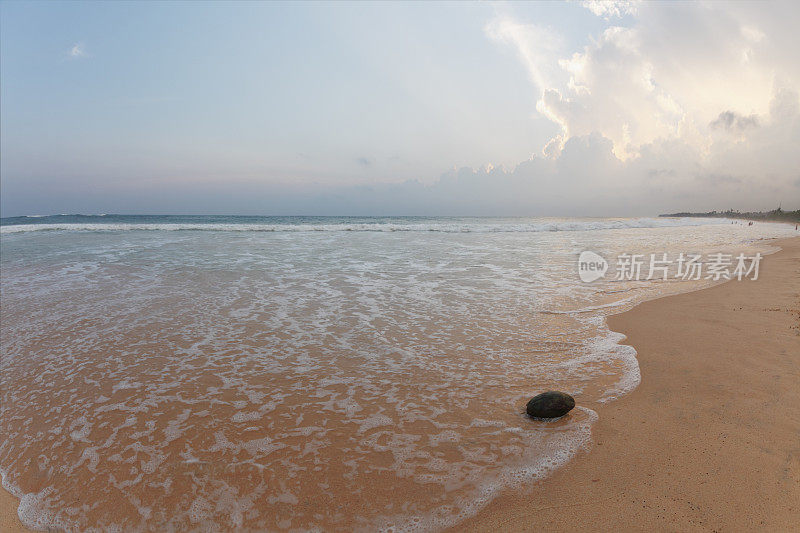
x=708 y=440
x=685 y=449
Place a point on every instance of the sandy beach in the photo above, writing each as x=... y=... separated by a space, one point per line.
x=9 y=521
x=708 y=441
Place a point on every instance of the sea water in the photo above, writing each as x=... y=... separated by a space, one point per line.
x=331 y=373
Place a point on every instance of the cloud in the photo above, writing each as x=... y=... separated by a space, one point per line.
x=639 y=110
x=607 y=87
x=718 y=179
x=537 y=47
x=671 y=106
x=588 y=179
x=77 y=51
x=611 y=8
x=731 y=121
x=674 y=71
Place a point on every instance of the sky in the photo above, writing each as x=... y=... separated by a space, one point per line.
x=545 y=109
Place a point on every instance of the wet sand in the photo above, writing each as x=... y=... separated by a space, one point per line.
x=709 y=440
x=9 y=521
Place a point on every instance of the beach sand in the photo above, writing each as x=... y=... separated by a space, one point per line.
x=708 y=441
x=9 y=520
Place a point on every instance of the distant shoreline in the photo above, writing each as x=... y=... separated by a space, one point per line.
x=777 y=215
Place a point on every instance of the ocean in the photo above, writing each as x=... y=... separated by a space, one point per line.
x=310 y=373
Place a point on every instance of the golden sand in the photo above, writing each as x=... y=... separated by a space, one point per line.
x=9 y=521
x=709 y=439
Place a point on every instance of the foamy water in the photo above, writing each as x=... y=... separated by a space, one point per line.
x=166 y=373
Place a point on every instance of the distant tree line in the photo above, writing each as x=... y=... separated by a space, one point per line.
x=778 y=215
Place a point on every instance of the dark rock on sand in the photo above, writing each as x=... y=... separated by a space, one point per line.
x=550 y=404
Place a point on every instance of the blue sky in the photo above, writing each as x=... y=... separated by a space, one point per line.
x=323 y=108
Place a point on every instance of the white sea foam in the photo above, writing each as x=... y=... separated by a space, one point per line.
x=541 y=225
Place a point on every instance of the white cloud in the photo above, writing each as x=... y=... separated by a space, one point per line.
x=690 y=100
x=536 y=46
x=668 y=75
x=611 y=8
x=77 y=51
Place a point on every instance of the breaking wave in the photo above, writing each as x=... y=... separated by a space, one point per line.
x=333 y=224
